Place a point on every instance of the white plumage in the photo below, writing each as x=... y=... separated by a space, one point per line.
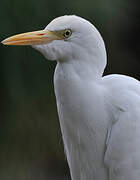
x=99 y=116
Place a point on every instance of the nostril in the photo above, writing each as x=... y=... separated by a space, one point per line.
x=41 y=34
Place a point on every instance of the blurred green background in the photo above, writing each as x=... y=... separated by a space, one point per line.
x=31 y=146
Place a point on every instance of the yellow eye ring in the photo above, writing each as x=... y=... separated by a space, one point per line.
x=67 y=33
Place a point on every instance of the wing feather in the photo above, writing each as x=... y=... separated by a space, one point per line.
x=123 y=148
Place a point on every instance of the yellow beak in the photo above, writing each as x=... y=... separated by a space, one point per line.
x=31 y=38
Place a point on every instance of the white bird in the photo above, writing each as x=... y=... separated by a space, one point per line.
x=99 y=116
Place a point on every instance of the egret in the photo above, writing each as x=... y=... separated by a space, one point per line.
x=99 y=115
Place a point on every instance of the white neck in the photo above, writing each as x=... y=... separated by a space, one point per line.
x=71 y=81
x=89 y=69
x=80 y=122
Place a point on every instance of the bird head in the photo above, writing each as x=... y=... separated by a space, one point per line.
x=64 y=38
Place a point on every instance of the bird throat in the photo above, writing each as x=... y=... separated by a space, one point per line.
x=79 y=125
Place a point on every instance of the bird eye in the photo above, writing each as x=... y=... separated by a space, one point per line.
x=67 y=33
